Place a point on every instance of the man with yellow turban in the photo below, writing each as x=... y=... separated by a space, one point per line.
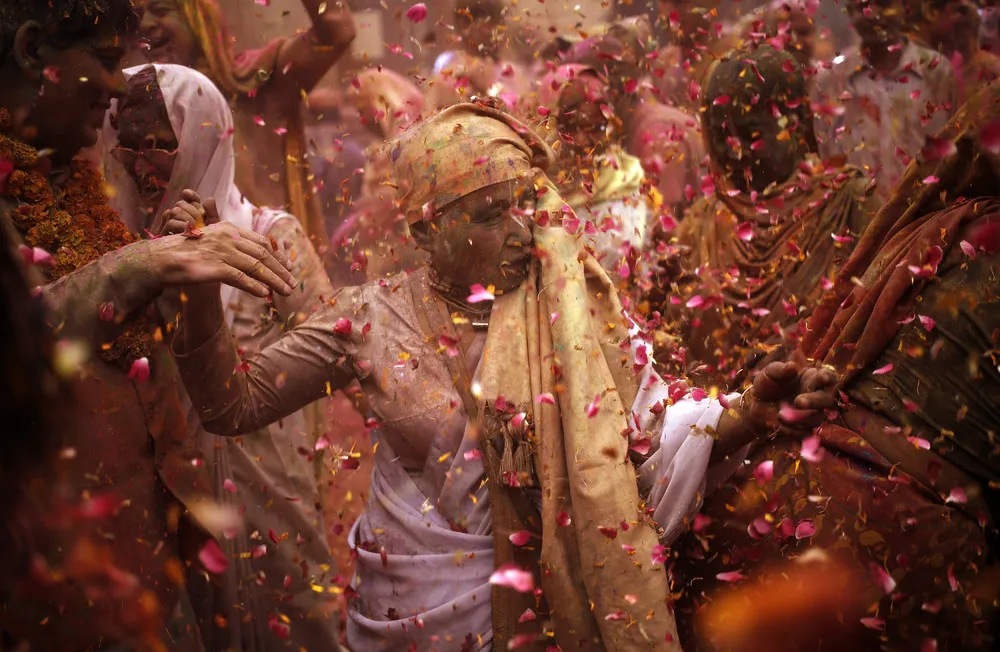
x=265 y=88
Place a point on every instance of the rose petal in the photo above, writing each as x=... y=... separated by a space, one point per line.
x=480 y=294
x=731 y=576
x=882 y=370
x=805 y=529
x=229 y=485
x=510 y=576
x=417 y=13
x=812 y=450
x=882 y=578
x=343 y=327
x=764 y=472
x=212 y=557
x=139 y=371
x=520 y=537
x=280 y=628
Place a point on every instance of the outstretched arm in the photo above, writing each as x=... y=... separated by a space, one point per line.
x=305 y=58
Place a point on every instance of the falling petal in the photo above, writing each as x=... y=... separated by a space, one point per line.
x=659 y=555
x=874 y=623
x=212 y=557
x=967 y=248
x=139 y=371
x=882 y=578
x=520 y=537
x=721 y=100
x=527 y=616
x=919 y=442
x=343 y=327
x=417 y=13
x=805 y=529
x=764 y=472
x=812 y=450
x=608 y=531
x=989 y=136
x=229 y=485
x=731 y=576
x=510 y=576
x=930 y=180
x=563 y=519
x=480 y=294
x=958 y=496
x=280 y=628
x=883 y=370
x=546 y=397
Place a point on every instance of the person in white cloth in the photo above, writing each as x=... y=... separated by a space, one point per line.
x=173 y=143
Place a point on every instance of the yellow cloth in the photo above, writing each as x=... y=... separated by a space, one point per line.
x=618 y=176
x=461 y=150
x=581 y=461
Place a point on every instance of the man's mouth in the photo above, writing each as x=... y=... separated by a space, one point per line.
x=150 y=44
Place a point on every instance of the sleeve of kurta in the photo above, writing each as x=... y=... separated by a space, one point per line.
x=235 y=396
x=314 y=286
x=95 y=301
x=674 y=440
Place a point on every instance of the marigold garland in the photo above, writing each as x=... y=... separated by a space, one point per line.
x=75 y=224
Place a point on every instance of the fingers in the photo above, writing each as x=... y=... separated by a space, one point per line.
x=257 y=263
x=822 y=400
x=814 y=379
x=275 y=251
x=775 y=381
x=211 y=211
x=191 y=196
x=240 y=280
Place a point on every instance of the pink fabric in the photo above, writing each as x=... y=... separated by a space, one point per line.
x=670 y=146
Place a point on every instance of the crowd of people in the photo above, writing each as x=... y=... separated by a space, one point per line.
x=681 y=332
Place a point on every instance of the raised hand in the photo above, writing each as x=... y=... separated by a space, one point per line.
x=217 y=253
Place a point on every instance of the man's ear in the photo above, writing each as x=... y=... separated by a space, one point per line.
x=27 y=40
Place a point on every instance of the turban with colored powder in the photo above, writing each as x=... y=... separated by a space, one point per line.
x=460 y=150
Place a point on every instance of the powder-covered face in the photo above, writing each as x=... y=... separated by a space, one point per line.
x=877 y=22
x=582 y=124
x=166 y=32
x=483 y=237
x=147 y=144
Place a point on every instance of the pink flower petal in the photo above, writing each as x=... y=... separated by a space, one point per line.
x=139 y=371
x=343 y=327
x=721 y=100
x=882 y=370
x=563 y=519
x=938 y=148
x=212 y=557
x=812 y=450
x=641 y=446
x=930 y=180
x=874 y=623
x=520 y=537
x=510 y=576
x=882 y=578
x=967 y=248
x=229 y=485
x=280 y=628
x=659 y=555
x=527 y=616
x=480 y=294
x=417 y=13
x=764 y=472
x=927 y=322
x=473 y=454
x=919 y=442
x=608 y=531
x=958 y=496
x=731 y=576
x=805 y=529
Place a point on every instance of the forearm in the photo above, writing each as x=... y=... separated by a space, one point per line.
x=332 y=22
x=235 y=396
x=314 y=287
x=96 y=301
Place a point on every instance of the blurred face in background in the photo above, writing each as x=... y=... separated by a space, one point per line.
x=802 y=32
x=479 y=24
x=952 y=23
x=167 y=35
x=877 y=22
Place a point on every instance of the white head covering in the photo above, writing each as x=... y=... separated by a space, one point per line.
x=203 y=123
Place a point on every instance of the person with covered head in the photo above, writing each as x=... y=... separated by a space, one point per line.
x=515 y=412
x=128 y=466
x=772 y=231
x=173 y=142
x=265 y=87
x=388 y=104
x=475 y=68
x=666 y=140
x=901 y=486
x=601 y=182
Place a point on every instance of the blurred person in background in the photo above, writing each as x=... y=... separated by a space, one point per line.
x=883 y=98
x=773 y=231
x=265 y=87
x=475 y=67
x=952 y=28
